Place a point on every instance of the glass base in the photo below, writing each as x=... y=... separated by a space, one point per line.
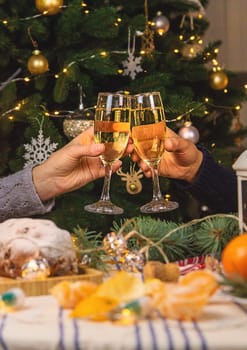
x=158 y=206
x=104 y=207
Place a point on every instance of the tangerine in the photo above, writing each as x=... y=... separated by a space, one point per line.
x=234 y=257
x=203 y=280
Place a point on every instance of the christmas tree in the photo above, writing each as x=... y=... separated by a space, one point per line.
x=56 y=56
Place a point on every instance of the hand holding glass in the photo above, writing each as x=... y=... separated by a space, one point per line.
x=148 y=126
x=111 y=127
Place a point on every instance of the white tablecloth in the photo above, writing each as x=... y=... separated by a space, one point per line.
x=43 y=325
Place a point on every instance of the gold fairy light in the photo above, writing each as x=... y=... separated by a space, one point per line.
x=103 y=54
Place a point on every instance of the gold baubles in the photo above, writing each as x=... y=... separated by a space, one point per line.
x=218 y=80
x=37 y=63
x=49 y=7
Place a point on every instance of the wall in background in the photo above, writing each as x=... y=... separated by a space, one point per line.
x=228 y=23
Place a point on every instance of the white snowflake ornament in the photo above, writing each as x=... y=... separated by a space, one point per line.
x=38 y=150
x=132 y=65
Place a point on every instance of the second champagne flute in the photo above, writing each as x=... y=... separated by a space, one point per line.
x=148 y=126
x=111 y=127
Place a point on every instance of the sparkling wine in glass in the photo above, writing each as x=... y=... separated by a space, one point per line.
x=111 y=127
x=148 y=127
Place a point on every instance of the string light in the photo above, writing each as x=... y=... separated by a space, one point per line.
x=182 y=116
x=103 y=53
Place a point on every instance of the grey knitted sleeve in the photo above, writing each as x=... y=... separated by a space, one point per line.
x=18 y=197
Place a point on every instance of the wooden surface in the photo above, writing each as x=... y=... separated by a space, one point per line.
x=42 y=287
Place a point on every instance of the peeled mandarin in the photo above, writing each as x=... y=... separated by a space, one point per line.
x=201 y=280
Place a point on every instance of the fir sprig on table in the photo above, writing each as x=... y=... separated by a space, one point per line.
x=175 y=247
x=237 y=288
x=164 y=240
x=205 y=236
x=88 y=245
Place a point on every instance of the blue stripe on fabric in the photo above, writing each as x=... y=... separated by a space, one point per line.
x=240 y=306
x=76 y=332
x=138 y=337
x=168 y=334
x=61 y=330
x=186 y=339
x=3 y=323
x=153 y=336
x=201 y=336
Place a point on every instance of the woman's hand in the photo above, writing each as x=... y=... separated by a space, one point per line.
x=71 y=167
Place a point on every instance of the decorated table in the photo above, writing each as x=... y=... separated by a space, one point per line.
x=43 y=325
x=135 y=305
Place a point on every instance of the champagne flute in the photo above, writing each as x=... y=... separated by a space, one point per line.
x=148 y=126
x=111 y=127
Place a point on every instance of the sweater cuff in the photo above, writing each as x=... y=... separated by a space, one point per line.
x=40 y=206
x=214 y=185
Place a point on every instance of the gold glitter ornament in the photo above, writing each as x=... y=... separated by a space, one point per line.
x=218 y=80
x=72 y=127
x=191 y=50
x=147 y=40
x=147 y=45
x=79 y=120
x=37 y=63
x=49 y=7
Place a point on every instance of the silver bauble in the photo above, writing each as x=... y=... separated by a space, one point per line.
x=161 y=23
x=189 y=132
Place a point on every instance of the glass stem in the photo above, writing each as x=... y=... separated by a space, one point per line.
x=105 y=195
x=156 y=183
